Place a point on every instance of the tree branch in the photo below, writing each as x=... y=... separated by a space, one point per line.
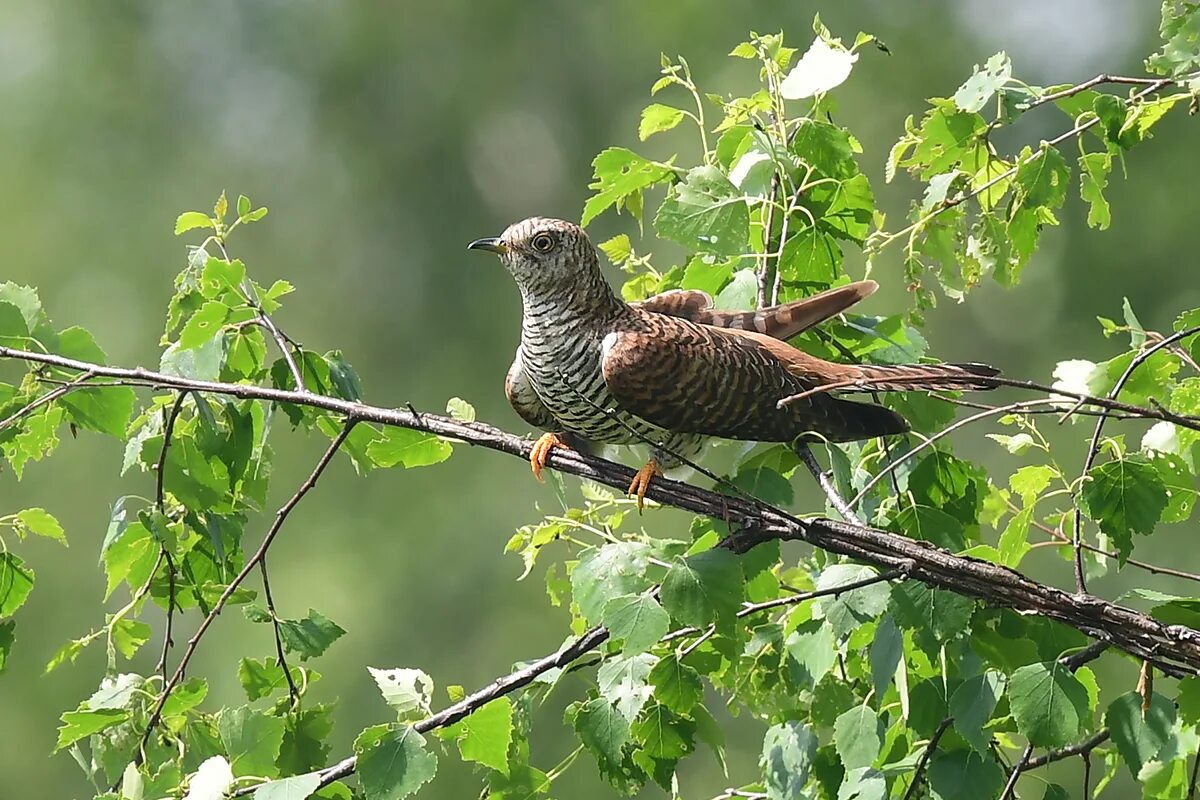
x=1173 y=648
x=280 y=517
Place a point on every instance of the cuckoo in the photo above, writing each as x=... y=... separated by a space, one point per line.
x=672 y=370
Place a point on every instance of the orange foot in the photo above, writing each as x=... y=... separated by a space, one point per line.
x=641 y=481
x=541 y=451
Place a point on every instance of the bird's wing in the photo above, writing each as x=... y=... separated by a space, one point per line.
x=779 y=322
x=691 y=378
x=682 y=303
x=525 y=400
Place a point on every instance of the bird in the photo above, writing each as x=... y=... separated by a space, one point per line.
x=672 y=370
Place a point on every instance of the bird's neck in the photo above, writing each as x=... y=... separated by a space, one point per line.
x=585 y=298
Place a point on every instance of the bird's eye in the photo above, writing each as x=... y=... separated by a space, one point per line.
x=543 y=242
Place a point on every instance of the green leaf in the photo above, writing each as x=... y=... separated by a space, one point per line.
x=392 y=763
x=886 y=650
x=1029 y=482
x=607 y=572
x=706 y=212
x=25 y=298
x=704 y=587
x=115 y=691
x=13 y=330
x=787 y=757
x=984 y=83
x=81 y=724
x=621 y=176
x=185 y=697
x=824 y=147
x=202 y=363
x=603 y=729
x=1189 y=699
x=408 y=447
x=972 y=705
x=1014 y=541
x=1139 y=735
x=636 y=619
x=965 y=775
x=309 y=637
x=676 y=685
x=191 y=219
x=738 y=294
x=815 y=651
x=222 y=277
x=622 y=682
x=657 y=118
x=16 y=582
x=947 y=483
x=810 y=256
x=261 y=677
x=7 y=628
x=1093 y=178
x=1049 y=704
x=942 y=614
x=1043 y=178
x=1125 y=496
x=856 y=734
x=848 y=610
x=344 y=378
x=251 y=740
x=460 y=409
x=42 y=523
x=486 y=734
x=931 y=525
x=662 y=734
x=851 y=209
x=297 y=787
x=203 y=325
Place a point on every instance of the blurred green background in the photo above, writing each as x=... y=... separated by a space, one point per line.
x=383 y=137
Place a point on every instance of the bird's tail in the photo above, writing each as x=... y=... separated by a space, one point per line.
x=922 y=377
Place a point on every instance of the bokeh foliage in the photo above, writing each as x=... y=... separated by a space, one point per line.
x=646 y=710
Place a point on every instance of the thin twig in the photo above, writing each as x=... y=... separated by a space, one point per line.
x=1191 y=423
x=501 y=686
x=293 y=692
x=48 y=397
x=1061 y=538
x=1086 y=746
x=959 y=199
x=754 y=608
x=161 y=505
x=280 y=517
x=1020 y=766
x=929 y=442
x=1094 y=445
x=918 y=774
x=826 y=483
x=264 y=319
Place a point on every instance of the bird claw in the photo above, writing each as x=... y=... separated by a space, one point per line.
x=540 y=452
x=641 y=481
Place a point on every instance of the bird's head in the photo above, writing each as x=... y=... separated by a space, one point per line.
x=542 y=252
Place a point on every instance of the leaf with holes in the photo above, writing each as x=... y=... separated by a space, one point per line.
x=706 y=213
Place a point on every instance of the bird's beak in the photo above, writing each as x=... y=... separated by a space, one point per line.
x=492 y=244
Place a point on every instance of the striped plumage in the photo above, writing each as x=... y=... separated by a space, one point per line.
x=672 y=370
